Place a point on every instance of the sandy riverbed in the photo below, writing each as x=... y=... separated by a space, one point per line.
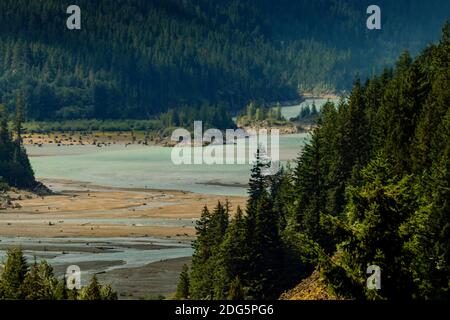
x=84 y=210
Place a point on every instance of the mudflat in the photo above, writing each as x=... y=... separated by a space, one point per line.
x=84 y=210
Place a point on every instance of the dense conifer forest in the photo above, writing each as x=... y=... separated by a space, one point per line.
x=15 y=168
x=371 y=188
x=138 y=58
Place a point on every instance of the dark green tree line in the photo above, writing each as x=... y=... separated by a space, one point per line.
x=163 y=54
x=20 y=281
x=15 y=168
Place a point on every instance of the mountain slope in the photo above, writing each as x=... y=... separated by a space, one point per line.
x=137 y=58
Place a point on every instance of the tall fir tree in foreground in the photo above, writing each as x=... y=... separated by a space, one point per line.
x=14 y=271
x=211 y=230
x=183 y=285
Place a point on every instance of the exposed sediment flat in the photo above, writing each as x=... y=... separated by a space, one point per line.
x=83 y=210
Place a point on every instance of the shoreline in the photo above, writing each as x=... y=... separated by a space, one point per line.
x=97 y=138
x=331 y=96
x=113 y=139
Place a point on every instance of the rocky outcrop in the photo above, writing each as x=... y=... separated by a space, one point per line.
x=9 y=198
x=41 y=189
x=311 y=288
x=5 y=201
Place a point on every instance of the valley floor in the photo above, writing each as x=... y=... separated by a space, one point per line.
x=85 y=210
x=135 y=239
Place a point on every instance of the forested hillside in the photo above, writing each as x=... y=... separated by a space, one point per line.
x=15 y=168
x=371 y=188
x=138 y=58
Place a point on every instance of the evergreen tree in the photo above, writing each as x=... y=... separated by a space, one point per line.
x=199 y=279
x=19 y=116
x=305 y=112
x=263 y=238
x=309 y=188
x=4 y=132
x=259 y=114
x=108 y=293
x=210 y=232
x=265 y=254
x=40 y=282
x=279 y=115
x=92 y=291
x=32 y=283
x=314 y=111
x=13 y=275
x=257 y=184
x=232 y=256
x=427 y=140
x=73 y=294
x=400 y=109
x=251 y=111
x=61 y=291
x=236 y=291
x=183 y=284
x=375 y=213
